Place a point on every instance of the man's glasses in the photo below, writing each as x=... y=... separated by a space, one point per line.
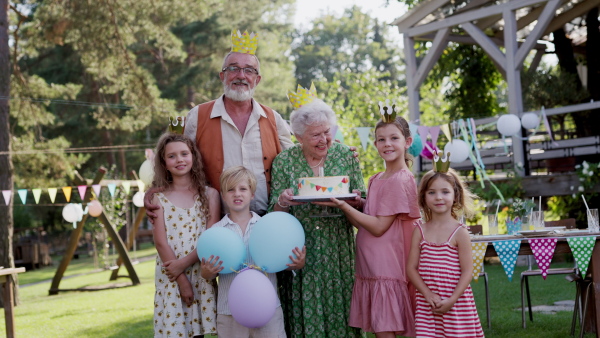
x=235 y=69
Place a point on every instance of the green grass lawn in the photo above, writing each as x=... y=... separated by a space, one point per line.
x=127 y=312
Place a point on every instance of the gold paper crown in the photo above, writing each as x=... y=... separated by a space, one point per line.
x=388 y=114
x=244 y=43
x=441 y=165
x=177 y=124
x=302 y=96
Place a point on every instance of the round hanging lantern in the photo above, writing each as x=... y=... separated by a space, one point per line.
x=459 y=150
x=530 y=120
x=509 y=124
x=147 y=172
x=138 y=199
x=70 y=213
x=94 y=208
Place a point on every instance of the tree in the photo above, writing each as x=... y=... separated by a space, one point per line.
x=6 y=167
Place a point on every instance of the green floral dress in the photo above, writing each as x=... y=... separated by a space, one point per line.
x=316 y=301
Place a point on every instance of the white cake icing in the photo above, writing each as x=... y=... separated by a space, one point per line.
x=323 y=186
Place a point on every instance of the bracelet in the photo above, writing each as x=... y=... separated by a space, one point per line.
x=283 y=206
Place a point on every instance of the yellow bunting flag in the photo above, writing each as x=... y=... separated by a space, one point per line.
x=126 y=186
x=478 y=254
x=36 y=194
x=52 y=193
x=67 y=192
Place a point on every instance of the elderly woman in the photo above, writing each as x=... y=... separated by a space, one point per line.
x=316 y=299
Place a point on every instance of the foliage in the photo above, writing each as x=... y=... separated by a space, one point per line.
x=353 y=42
x=570 y=205
x=355 y=97
x=520 y=208
x=550 y=87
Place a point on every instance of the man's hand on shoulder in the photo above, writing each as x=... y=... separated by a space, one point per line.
x=148 y=203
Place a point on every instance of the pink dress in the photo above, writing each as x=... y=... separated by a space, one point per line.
x=439 y=267
x=381 y=300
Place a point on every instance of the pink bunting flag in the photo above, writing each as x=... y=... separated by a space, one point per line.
x=96 y=188
x=6 y=194
x=435 y=133
x=82 y=189
x=543 y=251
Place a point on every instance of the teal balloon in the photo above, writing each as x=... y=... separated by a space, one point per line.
x=226 y=244
x=339 y=136
x=272 y=240
x=417 y=145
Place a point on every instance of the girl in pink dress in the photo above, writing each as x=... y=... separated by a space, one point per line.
x=440 y=262
x=381 y=299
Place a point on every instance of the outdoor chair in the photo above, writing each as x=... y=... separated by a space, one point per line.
x=580 y=309
x=530 y=272
x=487 y=298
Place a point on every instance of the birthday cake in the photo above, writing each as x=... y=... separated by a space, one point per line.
x=323 y=186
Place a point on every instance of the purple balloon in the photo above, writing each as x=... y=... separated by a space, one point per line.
x=252 y=298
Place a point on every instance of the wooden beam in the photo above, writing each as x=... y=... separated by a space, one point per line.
x=486 y=43
x=439 y=44
x=542 y=22
x=118 y=243
x=565 y=17
x=417 y=14
x=470 y=16
x=139 y=217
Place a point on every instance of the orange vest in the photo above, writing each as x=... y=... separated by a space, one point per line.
x=209 y=141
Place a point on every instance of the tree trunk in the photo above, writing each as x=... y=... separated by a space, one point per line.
x=6 y=168
x=593 y=54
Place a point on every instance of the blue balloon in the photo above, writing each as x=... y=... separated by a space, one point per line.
x=417 y=145
x=226 y=244
x=272 y=240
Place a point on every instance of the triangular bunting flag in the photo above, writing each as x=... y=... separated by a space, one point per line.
x=312 y=185
x=23 y=195
x=6 y=194
x=363 y=134
x=67 y=192
x=507 y=252
x=141 y=185
x=96 y=188
x=111 y=189
x=478 y=250
x=36 y=194
x=543 y=250
x=318 y=187
x=434 y=132
x=582 y=248
x=126 y=186
x=330 y=189
x=52 y=193
x=82 y=189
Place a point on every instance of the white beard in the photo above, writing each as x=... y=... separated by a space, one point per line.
x=238 y=95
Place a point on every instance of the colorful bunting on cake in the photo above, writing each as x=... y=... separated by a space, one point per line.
x=582 y=248
x=543 y=250
x=478 y=250
x=507 y=252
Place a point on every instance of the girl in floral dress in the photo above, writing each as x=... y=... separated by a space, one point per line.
x=184 y=302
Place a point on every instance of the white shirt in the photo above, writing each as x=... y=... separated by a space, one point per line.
x=244 y=150
x=226 y=279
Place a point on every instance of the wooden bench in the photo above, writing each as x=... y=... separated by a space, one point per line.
x=8 y=298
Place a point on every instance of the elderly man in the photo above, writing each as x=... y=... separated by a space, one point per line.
x=234 y=129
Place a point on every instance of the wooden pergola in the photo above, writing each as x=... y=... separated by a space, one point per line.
x=508 y=31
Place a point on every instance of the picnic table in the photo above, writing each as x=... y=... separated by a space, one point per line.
x=9 y=298
x=592 y=318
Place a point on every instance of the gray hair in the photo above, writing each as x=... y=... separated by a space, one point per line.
x=227 y=56
x=316 y=112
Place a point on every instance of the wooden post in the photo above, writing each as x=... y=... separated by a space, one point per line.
x=139 y=217
x=118 y=243
x=74 y=238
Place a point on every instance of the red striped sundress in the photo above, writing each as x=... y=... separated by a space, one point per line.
x=439 y=268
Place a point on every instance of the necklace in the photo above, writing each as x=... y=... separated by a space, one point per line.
x=318 y=164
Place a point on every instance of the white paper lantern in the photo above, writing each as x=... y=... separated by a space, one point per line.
x=530 y=120
x=459 y=150
x=509 y=124
x=138 y=199
x=94 y=208
x=147 y=172
x=71 y=213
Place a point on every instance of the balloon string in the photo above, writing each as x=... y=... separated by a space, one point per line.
x=247 y=266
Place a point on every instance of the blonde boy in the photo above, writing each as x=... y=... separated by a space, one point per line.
x=238 y=186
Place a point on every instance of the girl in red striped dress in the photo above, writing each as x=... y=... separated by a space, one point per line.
x=440 y=263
